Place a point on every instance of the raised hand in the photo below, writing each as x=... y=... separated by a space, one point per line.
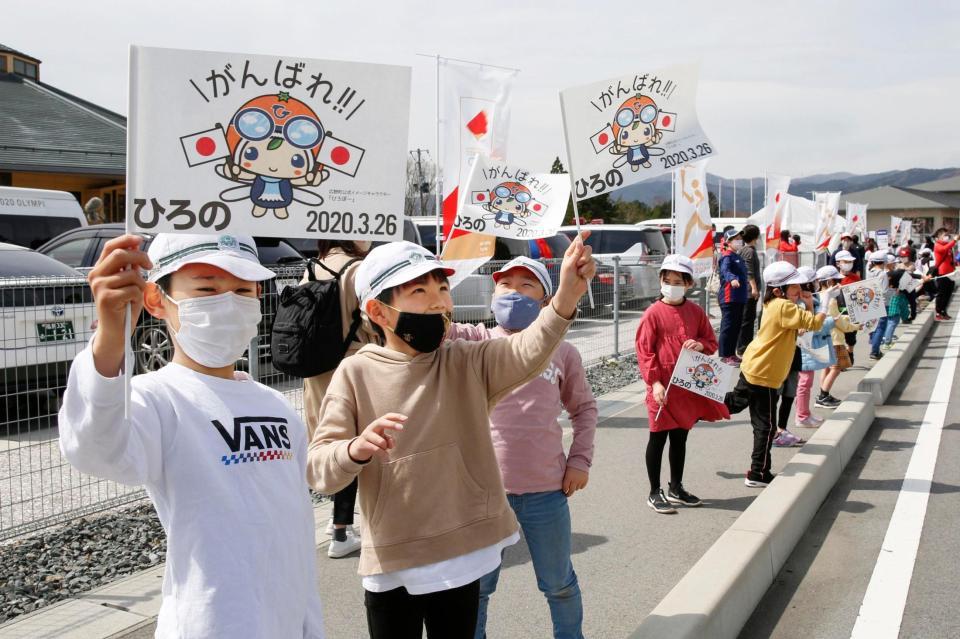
x=576 y=271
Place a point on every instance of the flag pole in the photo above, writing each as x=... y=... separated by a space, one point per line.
x=673 y=210
x=438 y=213
x=573 y=189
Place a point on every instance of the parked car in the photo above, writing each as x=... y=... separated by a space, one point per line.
x=152 y=347
x=662 y=224
x=427 y=226
x=639 y=250
x=47 y=315
x=30 y=217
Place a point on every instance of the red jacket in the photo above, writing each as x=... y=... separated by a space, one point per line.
x=943 y=254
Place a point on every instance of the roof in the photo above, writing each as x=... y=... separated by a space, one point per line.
x=45 y=129
x=889 y=198
x=6 y=49
x=946 y=185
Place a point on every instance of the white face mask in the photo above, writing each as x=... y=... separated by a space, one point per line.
x=736 y=245
x=215 y=330
x=672 y=293
x=846 y=267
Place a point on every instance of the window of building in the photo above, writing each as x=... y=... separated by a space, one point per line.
x=3 y=64
x=23 y=67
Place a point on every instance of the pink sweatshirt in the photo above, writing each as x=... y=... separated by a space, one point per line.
x=527 y=439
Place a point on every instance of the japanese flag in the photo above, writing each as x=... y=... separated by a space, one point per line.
x=537 y=208
x=340 y=156
x=205 y=146
x=666 y=121
x=479 y=197
x=603 y=139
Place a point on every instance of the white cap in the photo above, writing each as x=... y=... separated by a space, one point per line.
x=678 y=263
x=926 y=250
x=782 y=274
x=236 y=254
x=891 y=258
x=808 y=273
x=878 y=257
x=844 y=256
x=391 y=265
x=828 y=273
x=534 y=266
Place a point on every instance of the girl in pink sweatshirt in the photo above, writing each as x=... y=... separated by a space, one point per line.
x=528 y=442
x=672 y=324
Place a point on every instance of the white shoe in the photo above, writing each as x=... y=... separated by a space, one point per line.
x=329 y=529
x=339 y=549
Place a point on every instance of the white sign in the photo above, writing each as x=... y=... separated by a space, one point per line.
x=266 y=145
x=883 y=239
x=632 y=128
x=694 y=235
x=703 y=375
x=865 y=300
x=856 y=219
x=828 y=207
x=507 y=201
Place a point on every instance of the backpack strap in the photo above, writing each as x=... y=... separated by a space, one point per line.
x=336 y=275
x=352 y=333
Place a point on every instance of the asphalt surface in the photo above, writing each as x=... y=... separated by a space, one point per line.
x=819 y=591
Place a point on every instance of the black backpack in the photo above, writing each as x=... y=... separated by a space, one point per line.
x=307 y=336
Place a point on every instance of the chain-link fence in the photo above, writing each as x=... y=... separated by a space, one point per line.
x=47 y=321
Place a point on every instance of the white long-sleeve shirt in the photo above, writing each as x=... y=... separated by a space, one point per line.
x=224 y=462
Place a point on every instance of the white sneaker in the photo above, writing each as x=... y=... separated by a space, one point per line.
x=329 y=529
x=339 y=549
x=809 y=422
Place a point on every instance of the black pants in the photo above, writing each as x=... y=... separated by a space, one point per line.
x=763 y=401
x=447 y=614
x=912 y=299
x=343 y=504
x=944 y=292
x=731 y=320
x=678 y=455
x=747 y=326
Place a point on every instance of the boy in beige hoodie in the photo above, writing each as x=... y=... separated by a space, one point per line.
x=411 y=418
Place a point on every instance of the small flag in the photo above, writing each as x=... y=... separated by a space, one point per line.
x=537 y=208
x=603 y=139
x=667 y=121
x=205 y=146
x=479 y=197
x=340 y=156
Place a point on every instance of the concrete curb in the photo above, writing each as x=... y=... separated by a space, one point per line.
x=717 y=596
x=885 y=374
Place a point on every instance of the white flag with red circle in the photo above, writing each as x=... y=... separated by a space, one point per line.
x=205 y=146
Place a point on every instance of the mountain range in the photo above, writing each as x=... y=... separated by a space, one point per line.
x=658 y=189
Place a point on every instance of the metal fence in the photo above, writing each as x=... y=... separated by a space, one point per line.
x=47 y=321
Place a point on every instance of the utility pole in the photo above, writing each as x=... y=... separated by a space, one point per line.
x=420 y=182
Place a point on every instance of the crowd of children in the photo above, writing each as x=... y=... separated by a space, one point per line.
x=225 y=459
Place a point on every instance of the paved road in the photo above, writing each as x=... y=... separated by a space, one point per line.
x=627 y=557
x=820 y=589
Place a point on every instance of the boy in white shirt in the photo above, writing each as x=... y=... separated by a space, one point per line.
x=222 y=457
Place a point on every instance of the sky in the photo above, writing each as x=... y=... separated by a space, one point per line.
x=795 y=87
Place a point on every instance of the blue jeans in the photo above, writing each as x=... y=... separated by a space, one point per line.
x=731 y=317
x=545 y=521
x=892 y=323
x=877 y=335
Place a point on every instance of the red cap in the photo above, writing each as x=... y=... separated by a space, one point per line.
x=904 y=252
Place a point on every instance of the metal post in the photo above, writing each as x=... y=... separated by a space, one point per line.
x=253 y=358
x=616 y=305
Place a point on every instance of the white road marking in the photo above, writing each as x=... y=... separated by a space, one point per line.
x=881 y=612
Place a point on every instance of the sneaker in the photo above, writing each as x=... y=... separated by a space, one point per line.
x=680 y=497
x=827 y=401
x=796 y=440
x=658 y=502
x=758 y=481
x=739 y=359
x=809 y=422
x=886 y=347
x=328 y=531
x=784 y=440
x=730 y=361
x=940 y=317
x=350 y=545
x=876 y=356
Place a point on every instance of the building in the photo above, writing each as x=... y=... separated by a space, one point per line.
x=929 y=206
x=50 y=139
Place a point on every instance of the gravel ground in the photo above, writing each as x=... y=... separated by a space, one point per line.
x=93 y=551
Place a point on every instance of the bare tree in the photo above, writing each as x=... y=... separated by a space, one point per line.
x=421 y=185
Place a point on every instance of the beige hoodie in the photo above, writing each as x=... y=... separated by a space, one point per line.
x=439 y=494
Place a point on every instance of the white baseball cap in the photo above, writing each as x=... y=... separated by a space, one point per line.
x=829 y=273
x=394 y=264
x=808 y=273
x=534 y=266
x=678 y=263
x=236 y=254
x=891 y=258
x=782 y=274
x=844 y=256
x=878 y=257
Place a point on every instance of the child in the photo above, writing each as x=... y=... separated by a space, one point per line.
x=898 y=307
x=222 y=457
x=943 y=250
x=878 y=271
x=733 y=295
x=528 y=442
x=669 y=325
x=820 y=356
x=846 y=263
x=412 y=419
x=767 y=360
x=830 y=279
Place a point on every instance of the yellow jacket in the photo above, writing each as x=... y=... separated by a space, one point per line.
x=766 y=362
x=842 y=324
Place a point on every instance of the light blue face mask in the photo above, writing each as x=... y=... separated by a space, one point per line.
x=514 y=311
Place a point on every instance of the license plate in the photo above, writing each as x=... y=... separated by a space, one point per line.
x=55 y=331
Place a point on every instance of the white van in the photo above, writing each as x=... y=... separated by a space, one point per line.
x=30 y=217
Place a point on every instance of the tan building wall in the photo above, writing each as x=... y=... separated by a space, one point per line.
x=925 y=221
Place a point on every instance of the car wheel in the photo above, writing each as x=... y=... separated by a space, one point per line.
x=152 y=347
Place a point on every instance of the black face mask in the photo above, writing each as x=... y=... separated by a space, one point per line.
x=424 y=332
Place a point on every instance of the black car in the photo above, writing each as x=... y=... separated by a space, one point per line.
x=81 y=247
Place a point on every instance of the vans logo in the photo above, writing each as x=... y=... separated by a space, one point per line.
x=254 y=439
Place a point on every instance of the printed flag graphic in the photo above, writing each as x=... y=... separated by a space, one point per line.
x=205 y=146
